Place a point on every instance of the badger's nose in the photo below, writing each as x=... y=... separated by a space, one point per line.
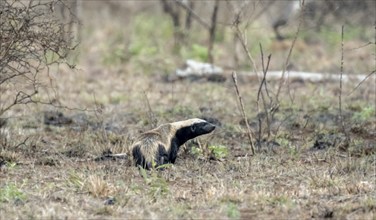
x=209 y=127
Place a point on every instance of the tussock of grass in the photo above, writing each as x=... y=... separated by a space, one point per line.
x=98 y=187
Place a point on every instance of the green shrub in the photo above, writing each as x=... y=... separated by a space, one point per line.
x=219 y=152
x=11 y=192
x=365 y=114
x=233 y=211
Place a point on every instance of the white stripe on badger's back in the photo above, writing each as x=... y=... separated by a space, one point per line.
x=181 y=124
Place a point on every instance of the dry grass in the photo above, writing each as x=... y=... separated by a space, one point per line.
x=53 y=174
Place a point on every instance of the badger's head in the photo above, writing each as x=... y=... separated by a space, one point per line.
x=191 y=128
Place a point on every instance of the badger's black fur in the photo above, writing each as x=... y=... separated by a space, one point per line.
x=160 y=145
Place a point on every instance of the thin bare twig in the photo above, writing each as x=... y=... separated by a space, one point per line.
x=340 y=86
x=282 y=81
x=193 y=14
x=263 y=83
x=265 y=70
x=22 y=143
x=241 y=36
x=361 y=82
x=244 y=7
x=21 y=98
x=360 y=47
x=249 y=132
x=243 y=42
x=25 y=48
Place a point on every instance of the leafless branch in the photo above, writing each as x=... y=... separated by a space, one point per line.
x=241 y=36
x=31 y=39
x=360 y=47
x=361 y=82
x=340 y=87
x=265 y=70
x=249 y=132
x=263 y=84
x=283 y=80
x=193 y=14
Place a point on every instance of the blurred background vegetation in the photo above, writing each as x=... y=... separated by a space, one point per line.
x=157 y=36
x=154 y=38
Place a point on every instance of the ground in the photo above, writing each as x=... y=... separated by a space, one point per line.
x=312 y=165
x=304 y=174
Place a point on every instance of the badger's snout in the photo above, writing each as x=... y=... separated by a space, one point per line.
x=209 y=127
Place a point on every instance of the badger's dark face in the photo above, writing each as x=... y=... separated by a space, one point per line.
x=201 y=128
x=190 y=129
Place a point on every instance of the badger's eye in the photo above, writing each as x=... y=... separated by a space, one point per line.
x=193 y=128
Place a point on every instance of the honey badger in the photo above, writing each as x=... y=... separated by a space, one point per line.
x=160 y=145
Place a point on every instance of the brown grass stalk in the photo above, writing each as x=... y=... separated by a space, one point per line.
x=152 y=118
